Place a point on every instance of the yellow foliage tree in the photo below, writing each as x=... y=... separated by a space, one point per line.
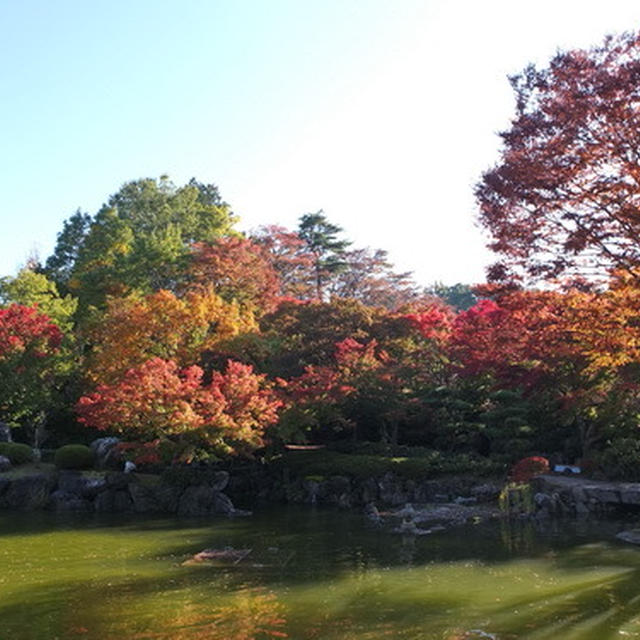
x=136 y=328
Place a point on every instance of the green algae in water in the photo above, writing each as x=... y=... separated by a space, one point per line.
x=311 y=574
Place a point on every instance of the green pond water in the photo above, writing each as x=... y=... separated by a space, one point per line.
x=312 y=573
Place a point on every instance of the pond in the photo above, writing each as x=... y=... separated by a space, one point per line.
x=312 y=573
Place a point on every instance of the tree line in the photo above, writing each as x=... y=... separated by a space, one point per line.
x=157 y=320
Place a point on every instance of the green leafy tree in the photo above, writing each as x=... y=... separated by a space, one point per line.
x=30 y=288
x=139 y=239
x=300 y=334
x=60 y=264
x=459 y=296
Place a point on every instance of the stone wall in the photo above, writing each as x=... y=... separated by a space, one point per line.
x=347 y=492
x=562 y=495
x=213 y=493
x=113 y=492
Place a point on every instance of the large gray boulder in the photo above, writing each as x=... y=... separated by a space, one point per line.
x=313 y=488
x=65 y=501
x=28 y=493
x=339 y=491
x=113 y=501
x=220 y=480
x=159 y=498
x=391 y=489
x=369 y=490
x=83 y=486
x=222 y=504
x=119 y=480
x=144 y=499
x=196 y=501
x=106 y=453
x=203 y=501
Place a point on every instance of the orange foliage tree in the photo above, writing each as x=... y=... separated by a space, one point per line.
x=237 y=269
x=136 y=328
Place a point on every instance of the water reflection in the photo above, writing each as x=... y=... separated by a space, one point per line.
x=251 y=614
x=87 y=578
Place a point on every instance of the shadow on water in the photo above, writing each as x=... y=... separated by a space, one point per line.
x=332 y=577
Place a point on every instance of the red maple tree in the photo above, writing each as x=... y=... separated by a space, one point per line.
x=158 y=400
x=563 y=200
x=29 y=343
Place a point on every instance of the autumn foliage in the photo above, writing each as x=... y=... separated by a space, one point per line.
x=238 y=269
x=158 y=400
x=527 y=468
x=136 y=328
x=29 y=344
x=24 y=332
x=189 y=333
x=563 y=200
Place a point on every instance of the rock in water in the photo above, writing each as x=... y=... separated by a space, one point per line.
x=631 y=536
x=228 y=555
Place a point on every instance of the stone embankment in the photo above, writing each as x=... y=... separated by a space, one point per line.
x=210 y=492
x=347 y=492
x=113 y=492
x=565 y=495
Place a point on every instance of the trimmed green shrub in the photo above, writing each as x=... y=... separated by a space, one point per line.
x=73 y=456
x=430 y=464
x=17 y=452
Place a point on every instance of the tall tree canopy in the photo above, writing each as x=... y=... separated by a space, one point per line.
x=459 y=296
x=139 y=239
x=29 y=344
x=323 y=243
x=368 y=276
x=315 y=264
x=564 y=198
x=238 y=269
x=30 y=288
x=290 y=259
x=136 y=328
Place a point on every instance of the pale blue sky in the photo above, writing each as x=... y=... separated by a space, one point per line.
x=381 y=112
